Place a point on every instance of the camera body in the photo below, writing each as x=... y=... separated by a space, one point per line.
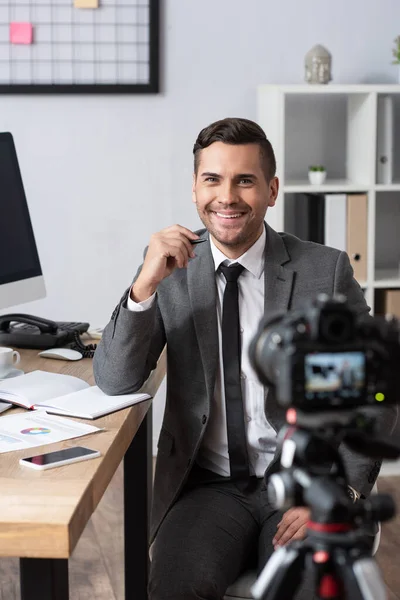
x=325 y=358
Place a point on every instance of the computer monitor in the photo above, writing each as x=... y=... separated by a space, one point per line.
x=21 y=278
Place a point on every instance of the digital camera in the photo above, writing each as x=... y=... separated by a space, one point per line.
x=324 y=357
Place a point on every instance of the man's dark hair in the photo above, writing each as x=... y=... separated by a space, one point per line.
x=237 y=131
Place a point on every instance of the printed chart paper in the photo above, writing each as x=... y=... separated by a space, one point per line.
x=28 y=430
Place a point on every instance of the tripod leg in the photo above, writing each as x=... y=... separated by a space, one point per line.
x=281 y=576
x=362 y=579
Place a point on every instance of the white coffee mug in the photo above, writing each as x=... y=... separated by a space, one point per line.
x=8 y=358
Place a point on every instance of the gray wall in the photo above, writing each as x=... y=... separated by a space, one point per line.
x=102 y=173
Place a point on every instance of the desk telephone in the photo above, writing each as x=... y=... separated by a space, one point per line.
x=27 y=331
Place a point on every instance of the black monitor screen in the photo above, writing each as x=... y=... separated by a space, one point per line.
x=18 y=254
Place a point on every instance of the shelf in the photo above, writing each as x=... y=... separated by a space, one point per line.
x=333 y=185
x=387 y=278
x=339 y=126
x=388 y=187
x=334 y=88
x=338 y=185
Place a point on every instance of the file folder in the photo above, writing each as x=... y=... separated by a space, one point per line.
x=357 y=229
x=391 y=302
x=335 y=221
x=384 y=142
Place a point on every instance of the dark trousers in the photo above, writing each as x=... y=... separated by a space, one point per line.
x=210 y=536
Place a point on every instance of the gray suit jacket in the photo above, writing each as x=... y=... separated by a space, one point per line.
x=184 y=317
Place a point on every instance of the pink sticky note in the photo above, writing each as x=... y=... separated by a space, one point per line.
x=21 y=33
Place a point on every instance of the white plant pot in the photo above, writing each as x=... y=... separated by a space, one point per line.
x=316 y=177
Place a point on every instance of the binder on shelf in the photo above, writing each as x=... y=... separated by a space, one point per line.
x=391 y=302
x=384 y=153
x=336 y=221
x=316 y=218
x=357 y=229
x=307 y=220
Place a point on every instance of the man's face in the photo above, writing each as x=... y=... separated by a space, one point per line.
x=232 y=195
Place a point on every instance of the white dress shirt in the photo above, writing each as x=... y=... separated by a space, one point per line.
x=261 y=437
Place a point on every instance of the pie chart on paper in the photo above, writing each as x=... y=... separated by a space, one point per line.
x=35 y=430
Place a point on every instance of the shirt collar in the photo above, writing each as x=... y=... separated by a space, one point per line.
x=252 y=259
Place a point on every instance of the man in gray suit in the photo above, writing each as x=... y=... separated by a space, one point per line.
x=206 y=523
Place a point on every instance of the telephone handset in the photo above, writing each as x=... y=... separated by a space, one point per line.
x=27 y=331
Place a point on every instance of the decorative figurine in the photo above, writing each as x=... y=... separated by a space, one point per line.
x=318 y=63
x=396 y=55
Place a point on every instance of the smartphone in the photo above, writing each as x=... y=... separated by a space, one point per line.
x=59 y=458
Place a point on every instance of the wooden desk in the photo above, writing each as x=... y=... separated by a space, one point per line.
x=43 y=513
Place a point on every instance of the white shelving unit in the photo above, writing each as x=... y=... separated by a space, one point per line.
x=337 y=125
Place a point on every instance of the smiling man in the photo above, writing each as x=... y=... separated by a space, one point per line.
x=203 y=294
x=233 y=186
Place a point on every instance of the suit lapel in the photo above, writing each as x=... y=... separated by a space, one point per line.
x=202 y=294
x=278 y=280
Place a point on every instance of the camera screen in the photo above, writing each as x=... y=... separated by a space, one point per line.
x=338 y=375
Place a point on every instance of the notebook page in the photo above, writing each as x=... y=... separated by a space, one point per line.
x=39 y=386
x=92 y=401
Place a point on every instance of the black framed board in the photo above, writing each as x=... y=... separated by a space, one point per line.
x=79 y=46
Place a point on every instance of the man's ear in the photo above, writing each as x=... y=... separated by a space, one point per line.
x=194 y=188
x=273 y=191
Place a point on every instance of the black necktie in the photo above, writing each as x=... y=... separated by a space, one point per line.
x=231 y=347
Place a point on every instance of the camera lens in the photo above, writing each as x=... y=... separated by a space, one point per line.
x=336 y=327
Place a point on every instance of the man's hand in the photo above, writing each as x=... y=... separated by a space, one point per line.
x=168 y=249
x=293 y=526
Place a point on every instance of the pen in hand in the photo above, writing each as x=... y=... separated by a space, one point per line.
x=199 y=241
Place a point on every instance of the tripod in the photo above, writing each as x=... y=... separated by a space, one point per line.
x=337 y=550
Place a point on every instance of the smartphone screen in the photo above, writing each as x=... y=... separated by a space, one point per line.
x=59 y=455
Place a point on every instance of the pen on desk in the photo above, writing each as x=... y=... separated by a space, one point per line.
x=200 y=241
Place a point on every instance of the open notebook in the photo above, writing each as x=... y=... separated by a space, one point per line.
x=63 y=394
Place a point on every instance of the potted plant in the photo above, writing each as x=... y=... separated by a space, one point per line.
x=316 y=174
x=396 y=54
